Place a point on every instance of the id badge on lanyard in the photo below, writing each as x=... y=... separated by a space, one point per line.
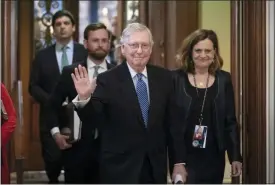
x=200 y=131
x=199 y=137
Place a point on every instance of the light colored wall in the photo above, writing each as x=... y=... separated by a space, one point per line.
x=215 y=15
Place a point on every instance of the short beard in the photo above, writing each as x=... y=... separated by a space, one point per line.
x=98 y=56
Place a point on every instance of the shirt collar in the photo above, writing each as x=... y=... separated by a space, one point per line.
x=91 y=64
x=59 y=46
x=134 y=73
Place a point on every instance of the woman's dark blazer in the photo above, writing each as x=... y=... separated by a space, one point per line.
x=227 y=129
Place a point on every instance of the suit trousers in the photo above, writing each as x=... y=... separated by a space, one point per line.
x=81 y=163
x=146 y=174
x=52 y=156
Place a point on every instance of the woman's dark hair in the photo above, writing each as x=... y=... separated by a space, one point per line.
x=184 y=54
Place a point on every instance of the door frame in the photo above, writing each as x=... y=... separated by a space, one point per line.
x=270 y=90
x=236 y=68
x=248 y=53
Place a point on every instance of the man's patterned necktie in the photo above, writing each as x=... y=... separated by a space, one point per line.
x=141 y=89
x=96 y=71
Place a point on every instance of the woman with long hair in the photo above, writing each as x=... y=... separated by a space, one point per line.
x=204 y=93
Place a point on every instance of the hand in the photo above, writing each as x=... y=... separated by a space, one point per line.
x=179 y=169
x=84 y=87
x=61 y=141
x=236 y=169
x=66 y=131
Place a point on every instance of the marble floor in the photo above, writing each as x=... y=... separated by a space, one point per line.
x=35 y=177
x=39 y=177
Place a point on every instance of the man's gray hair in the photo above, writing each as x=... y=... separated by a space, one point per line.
x=132 y=28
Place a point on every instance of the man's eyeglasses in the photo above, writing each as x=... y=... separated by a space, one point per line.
x=135 y=46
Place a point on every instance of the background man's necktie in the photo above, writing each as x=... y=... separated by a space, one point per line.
x=64 y=59
x=96 y=71
x=141 y=89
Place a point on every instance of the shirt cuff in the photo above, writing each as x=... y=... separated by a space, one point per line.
x=179 y=164
x=55 y=130
x=80 y=103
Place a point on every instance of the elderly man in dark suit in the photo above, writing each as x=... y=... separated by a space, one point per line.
x=46 y=70
x=135 y=99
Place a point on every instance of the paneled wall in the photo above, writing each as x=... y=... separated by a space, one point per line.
x=169 y=22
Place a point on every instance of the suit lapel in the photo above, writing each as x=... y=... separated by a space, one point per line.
x=109 y=66
x=128 y=91
x=75 y=52
x=153 y=93
x=53 y=58
x=187 y=99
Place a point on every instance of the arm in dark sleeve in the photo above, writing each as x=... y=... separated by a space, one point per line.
x=231 y=124
x=176 y=147
x=35 y=89
x=96 y=105
x=57 y=98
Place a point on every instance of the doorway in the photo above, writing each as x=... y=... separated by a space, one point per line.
x=270 y=91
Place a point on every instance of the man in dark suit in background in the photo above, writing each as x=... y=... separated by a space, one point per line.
x=135 y=99
x=81 y=158
x=46 y=70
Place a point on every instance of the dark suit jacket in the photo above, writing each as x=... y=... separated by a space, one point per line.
x=227 y=130
x=45 y=75
x=65 y=89
x=124 y=139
